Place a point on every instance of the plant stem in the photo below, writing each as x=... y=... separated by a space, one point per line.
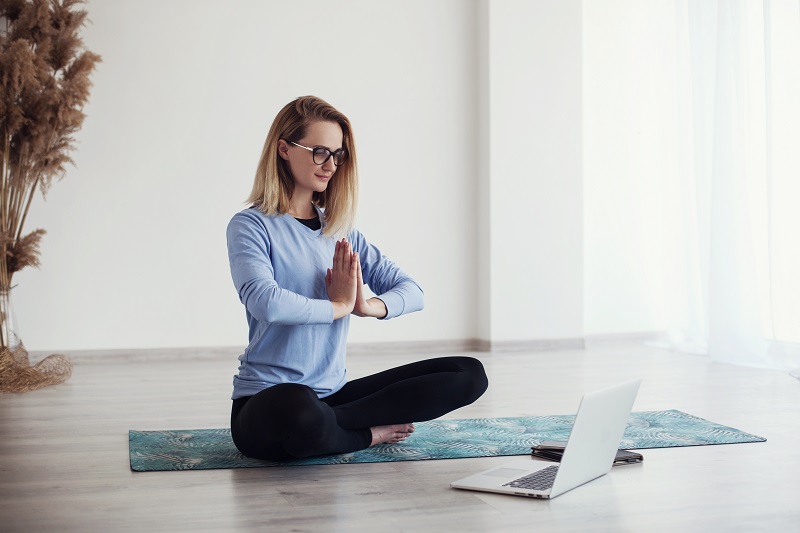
x=6 y=177
x=6 y=182
x=4 y=310
x=31 y=193
x=19 y=190
x=32 y=190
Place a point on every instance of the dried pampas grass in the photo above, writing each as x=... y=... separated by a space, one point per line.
x=44 y=85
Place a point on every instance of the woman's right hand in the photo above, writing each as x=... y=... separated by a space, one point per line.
x=341 y=279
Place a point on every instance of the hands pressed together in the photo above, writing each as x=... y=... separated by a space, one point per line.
x=344 y=285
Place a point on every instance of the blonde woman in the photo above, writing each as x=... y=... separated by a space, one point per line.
x=299 y=268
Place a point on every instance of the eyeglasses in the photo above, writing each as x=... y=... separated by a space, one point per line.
x=322 y=154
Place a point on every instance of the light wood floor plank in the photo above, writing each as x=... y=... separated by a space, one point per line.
x=64 y=454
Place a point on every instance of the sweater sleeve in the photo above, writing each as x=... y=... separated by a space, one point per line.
x=254 y=278
x=398 y=290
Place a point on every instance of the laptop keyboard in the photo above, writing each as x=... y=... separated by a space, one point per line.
x=541 y=480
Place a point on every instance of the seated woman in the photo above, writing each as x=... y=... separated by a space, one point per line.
x=299 y=268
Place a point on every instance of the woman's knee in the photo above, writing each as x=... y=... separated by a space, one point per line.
x=473 y=378
x=274 y=414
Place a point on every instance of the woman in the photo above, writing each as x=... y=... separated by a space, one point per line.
x=299 y=267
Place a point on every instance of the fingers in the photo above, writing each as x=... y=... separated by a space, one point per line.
x=346 y=255
x=345 y=259
x=342 y=256
x=359 y=279
x=337 y=256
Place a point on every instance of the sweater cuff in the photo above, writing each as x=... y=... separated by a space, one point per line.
x=394 y=304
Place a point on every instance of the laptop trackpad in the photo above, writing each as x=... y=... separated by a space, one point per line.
x=506 y=472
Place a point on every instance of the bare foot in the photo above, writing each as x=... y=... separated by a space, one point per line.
x=391 y=434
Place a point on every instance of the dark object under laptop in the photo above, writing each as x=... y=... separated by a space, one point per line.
x=552 y=450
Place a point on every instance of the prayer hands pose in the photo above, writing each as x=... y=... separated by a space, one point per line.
x=345 y=286
x=342 y=278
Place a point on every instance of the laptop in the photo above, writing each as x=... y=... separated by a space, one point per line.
x=589 y=453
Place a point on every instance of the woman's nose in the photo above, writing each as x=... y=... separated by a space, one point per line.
x=329 y=165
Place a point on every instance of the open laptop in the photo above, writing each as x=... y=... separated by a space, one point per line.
x=589 y=454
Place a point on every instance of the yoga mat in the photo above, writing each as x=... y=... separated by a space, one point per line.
x=201 y=449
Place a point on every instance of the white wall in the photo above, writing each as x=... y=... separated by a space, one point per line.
x=535 y=170
x=135 y=252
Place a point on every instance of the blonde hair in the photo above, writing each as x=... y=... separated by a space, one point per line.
x=273 y=185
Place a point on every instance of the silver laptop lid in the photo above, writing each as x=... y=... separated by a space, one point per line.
x=595 y=436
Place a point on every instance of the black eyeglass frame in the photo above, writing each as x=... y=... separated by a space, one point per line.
x=340 y=154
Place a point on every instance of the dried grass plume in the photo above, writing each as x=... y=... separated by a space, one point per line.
x=44 y=85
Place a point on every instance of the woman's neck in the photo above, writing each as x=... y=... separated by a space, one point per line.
x=302 y=208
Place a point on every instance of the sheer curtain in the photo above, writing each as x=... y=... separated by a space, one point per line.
x=692 y=166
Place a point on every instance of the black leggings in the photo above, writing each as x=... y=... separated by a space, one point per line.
x=289 y=421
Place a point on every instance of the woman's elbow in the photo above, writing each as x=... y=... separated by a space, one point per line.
x=418 y=300
x=264 y=306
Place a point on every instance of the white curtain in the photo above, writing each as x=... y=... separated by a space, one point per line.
x=692 y=175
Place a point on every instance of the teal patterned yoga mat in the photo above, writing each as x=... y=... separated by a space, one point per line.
x=200 y=449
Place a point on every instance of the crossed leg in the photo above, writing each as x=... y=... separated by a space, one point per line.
x=289 y=421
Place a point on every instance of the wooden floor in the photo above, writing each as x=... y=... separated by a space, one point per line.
x=64 y=454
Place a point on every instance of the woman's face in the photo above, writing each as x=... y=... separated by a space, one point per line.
x=308 y=176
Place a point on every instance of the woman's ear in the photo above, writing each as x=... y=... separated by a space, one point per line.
x=283 y=149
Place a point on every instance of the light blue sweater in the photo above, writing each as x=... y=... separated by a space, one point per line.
x=278 y=266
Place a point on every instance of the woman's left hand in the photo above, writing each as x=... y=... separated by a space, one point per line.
x=374 y=307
